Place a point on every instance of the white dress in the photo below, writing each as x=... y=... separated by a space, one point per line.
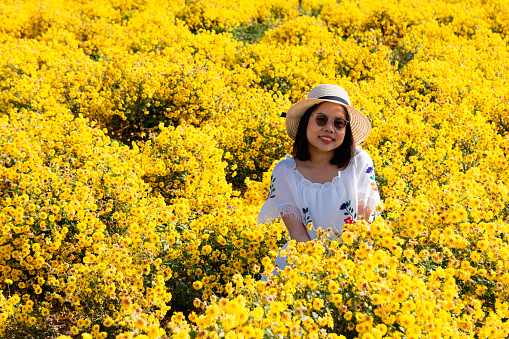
x=332 y=204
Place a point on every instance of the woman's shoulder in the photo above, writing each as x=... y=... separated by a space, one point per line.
x=361 y=156
x=285 y=165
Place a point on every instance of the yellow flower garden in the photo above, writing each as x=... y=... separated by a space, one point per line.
x=137 y=139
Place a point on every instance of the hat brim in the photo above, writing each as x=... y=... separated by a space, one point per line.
x=359 y=123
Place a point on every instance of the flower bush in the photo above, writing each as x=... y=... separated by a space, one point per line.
x=137 y=140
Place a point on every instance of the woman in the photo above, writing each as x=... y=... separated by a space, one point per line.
x=330 y=180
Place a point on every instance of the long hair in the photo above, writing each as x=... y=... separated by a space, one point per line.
x=342 y=155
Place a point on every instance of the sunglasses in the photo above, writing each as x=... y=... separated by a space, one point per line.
x=323 y=120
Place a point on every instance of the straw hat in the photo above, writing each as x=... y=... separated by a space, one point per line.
x=359 y=124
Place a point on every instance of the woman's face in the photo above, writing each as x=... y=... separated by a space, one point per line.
x=325 y=139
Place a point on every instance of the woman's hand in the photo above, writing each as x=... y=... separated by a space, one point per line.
x=297 y=230
x=364 y=212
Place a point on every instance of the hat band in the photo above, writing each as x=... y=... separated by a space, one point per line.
x=331 y=97
x=327 y=97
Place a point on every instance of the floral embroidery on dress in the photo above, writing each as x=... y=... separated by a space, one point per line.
x=372 y=177
x=349 y=212
x=307 y=217
x=370 y=171
x=272 y=188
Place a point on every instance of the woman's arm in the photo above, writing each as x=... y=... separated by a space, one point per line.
x=364 y=212
x=297 y=230
x=368 y=195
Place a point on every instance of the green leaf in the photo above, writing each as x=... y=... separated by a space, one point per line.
x=303 y=317
x=152 y=120
x=314 y=315
x=193 y=334
x=244 y=260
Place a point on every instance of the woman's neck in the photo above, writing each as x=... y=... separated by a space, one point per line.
x=320 y=159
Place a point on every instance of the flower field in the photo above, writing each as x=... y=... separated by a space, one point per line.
x=137 y=139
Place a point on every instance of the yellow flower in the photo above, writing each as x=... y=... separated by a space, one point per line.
x=139 y=323
x=108 y=322
x=196 y=302
x=318 y=303
x=74 y=330
x=406 y=320
x=213 y=311
x=382 y=328
x=333 y=287
x=337 y=298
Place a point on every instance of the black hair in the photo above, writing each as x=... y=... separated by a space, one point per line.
x=342 y=155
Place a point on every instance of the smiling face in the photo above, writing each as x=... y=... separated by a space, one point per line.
x=325 y=139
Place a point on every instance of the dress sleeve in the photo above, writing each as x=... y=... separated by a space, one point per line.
x=281 y=197
x=367 y=190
